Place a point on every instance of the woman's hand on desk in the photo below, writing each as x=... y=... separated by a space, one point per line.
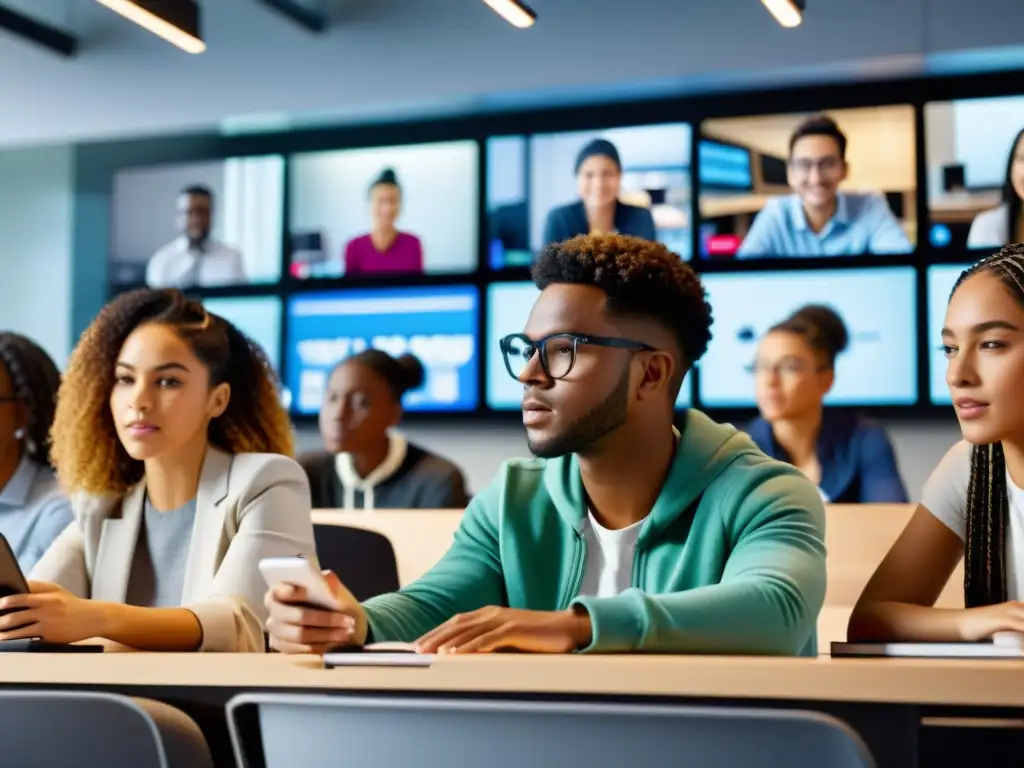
x=981 y=623
x=296 y=627
x=49 y=612
x=494 y=629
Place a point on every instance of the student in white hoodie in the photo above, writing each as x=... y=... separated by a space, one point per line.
x=368 y=463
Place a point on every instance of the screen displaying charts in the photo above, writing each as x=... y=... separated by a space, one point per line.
x=396 y=211
x=437 y=325
x=941 y=279
x=536 y=187
x=975 y=167
x=258 y=317
x=876 y=304
x=509 y=306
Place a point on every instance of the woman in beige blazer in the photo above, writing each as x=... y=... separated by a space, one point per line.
x=172 y=442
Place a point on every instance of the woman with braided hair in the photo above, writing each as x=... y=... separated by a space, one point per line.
x=170 y=439
x=33 y=509
x=973 y=504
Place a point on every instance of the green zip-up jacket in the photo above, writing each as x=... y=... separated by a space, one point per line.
x=731 y=558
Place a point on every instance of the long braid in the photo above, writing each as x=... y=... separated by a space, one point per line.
x=988 y=505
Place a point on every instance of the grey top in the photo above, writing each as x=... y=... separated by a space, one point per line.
x=161 y=555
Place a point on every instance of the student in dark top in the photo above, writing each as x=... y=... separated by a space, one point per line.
x=849 y=458
x=368 y=464
x=598 y=182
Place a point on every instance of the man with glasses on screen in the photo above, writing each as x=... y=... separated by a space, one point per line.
x=820 y=220
x=625 y=534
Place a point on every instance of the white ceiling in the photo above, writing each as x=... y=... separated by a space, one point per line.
x=401 y=57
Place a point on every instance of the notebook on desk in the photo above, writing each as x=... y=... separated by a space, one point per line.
x=982 y=650
x=378 y=655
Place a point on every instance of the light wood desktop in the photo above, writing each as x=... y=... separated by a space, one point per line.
x=961 y=207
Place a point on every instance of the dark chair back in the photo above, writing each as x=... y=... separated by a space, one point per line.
x=364 y=560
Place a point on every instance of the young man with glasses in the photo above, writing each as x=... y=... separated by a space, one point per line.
x=625 y=534
x=819 y=220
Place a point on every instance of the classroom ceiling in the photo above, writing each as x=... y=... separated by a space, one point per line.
x=383 y=59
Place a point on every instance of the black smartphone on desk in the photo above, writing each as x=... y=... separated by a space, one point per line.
x=13 y=582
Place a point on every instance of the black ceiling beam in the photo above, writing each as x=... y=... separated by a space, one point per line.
x=37 y=32
x=314 y=21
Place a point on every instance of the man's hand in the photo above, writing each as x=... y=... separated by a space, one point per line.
x=492 y=629
x=295 y=627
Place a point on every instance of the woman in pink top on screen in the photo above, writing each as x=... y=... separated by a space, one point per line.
x=384 y=249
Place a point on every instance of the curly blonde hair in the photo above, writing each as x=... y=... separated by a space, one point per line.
x=86 y=451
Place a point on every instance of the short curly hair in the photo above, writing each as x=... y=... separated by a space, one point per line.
x=87 y=453
x=35 y=379
x=641 y=278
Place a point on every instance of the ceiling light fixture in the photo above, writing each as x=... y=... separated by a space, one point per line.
x=515 y=12
x=789 y=13
x=176 y=21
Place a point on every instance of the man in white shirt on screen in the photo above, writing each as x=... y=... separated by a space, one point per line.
x=195 y=258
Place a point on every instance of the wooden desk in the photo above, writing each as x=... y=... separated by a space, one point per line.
x=883 y=699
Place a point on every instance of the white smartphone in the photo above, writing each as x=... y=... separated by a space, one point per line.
x=299 y=572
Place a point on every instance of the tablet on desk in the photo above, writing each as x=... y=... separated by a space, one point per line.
x=38 y=645
x=982 y=650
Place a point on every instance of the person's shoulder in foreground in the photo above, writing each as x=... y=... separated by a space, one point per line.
x=720 y=546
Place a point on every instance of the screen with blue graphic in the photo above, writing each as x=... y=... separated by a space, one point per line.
x=437 y=325
x=877 y=305
x=941 y=279
x=508 y=308
x=536 y=192
x=258 y=317
x=975 y=167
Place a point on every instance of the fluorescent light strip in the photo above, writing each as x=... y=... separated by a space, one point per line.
x=787 y=12
x=158 y=26
x=516 y=13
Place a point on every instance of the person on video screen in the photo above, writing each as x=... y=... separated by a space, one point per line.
x=1004 y=223
x=598 y=211
x=849 y=458
x=819 y=220
x=195 y=258
x=384 y=249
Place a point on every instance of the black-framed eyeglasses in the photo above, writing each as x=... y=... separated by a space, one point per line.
x=557 y=352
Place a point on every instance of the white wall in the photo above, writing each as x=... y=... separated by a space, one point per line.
x=481 y=450
x=387 y=58
x=35 y=264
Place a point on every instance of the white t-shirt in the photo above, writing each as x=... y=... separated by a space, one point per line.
x=608 y=570
x=945 y=496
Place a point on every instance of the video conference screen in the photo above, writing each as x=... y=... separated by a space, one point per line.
x=508 y=309
x=941 y=279
x=437 y=325
x=780 y=186
x=545 y=188
x=878 y=306
x=975 y=161
x=198 y=225
x=406 y=210
x=258 y=317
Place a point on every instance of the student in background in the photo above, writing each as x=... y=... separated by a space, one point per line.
x=369 y=464
x=598 y=183
x=625 y=534
x=849 y=458
x=33 y=509
x=170 y=438
x=819 y=220
x=384 y=249
x=972 y=505
x=195 y=258
x=1005 y=223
